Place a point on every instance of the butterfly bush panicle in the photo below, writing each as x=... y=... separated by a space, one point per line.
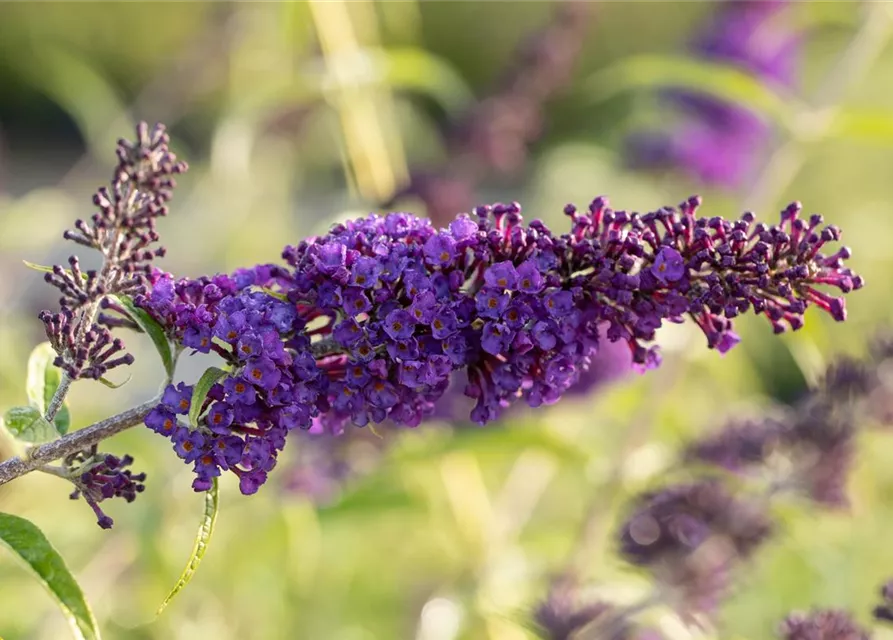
x=690 y=536
x=369 y=322
x=884 y=611
x=98 y=477
x=808 y=448
x=823 y=624
x=718 y=141
x=123 y=232
x=564 y=614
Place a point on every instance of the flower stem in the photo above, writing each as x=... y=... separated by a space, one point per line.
x=74 y=442
x=58 y=397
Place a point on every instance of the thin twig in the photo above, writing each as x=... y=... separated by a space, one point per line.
x=74 y=442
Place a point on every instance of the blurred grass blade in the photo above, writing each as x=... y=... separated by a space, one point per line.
x=148 y=324
x=718 y=80
x=863 y=126
x=42 y=381
x=202 y=538
x=28 y=542
x=200 y=392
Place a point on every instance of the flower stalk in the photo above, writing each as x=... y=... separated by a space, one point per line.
x=74 y=442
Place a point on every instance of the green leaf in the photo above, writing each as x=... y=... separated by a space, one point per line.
x=154 y=330
x=115 y=385
x=28 y=542
x=202 y=538
x=43 y=379
x=200 y=392
x=28 y=425
x=38 y=267
x=45 y=269
x=719 y=80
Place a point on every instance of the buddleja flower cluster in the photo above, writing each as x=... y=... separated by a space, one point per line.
x=369 y=321
x=123 y=232
x=693 y=536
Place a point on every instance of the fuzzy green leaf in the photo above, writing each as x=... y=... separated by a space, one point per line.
x=27 y=542
x=27 y=424
x=202 y=538
x=154 y=330
x=41 y=384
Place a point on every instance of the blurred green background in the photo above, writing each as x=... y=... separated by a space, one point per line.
x=454 y=534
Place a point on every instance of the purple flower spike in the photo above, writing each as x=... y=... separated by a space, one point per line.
x=373 y=319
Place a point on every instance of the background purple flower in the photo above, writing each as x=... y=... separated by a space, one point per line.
x=716 y=141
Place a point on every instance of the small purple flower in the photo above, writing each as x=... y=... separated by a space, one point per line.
x=330 y=258
x=501 y=275
x=463 y=228
x=496 y=338
x=399 y=324
x=249 y=345
x=198 y=338
x=404 y=349
x=161 y=421
x=262 y=372
x=355 y=301
x=437 y=369
x=529 y=278
x=491 y=302
x=356 y=374
x=440 y=250
x=415 y=283
x=294 y=416
x=188 y=444
x=329 y=295
x=250 y=482
x=363 y=351
x=444 y=323
x=240 y=391
x=348 y=332
x=177 y=399
x=229 y=328
x=516 y=315
x=559 y=303
x=365 y=272
x=282 y=316
x=219 y=417
x=544 y=335
x=410 y=374
x=422 y=307
x=668 y=266
x=381 y=394
x=205 y=467
x=727 y=341
x=456 y=349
